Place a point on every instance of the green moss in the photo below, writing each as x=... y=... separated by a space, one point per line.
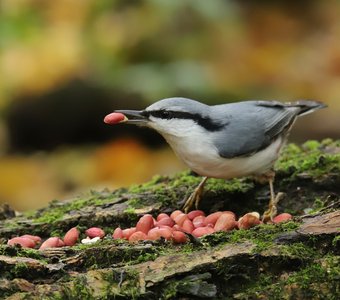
x=146 y=257
x=193 y=285
x=51 y=216
x=311 y=281
x=185 y=179
x=133 y=204
x=130 y=216
x=257 y=288
x=57 y=210
x=318 y=205
x=19 y=269
x=77 y=289
x=122 y=284
x=312 y=145
x=102 y=243
x=163 y=188
x=32 y=253
x=308 y=159
x=230 y=186
x=336 y=241
x=262 y=236
x=116 y=252
x=57 y=232
x=171 y=290
x=22 y=252
x=318 y=279
x=56 y=295
x=169 y=190
x=10 y=224
x=299 y=250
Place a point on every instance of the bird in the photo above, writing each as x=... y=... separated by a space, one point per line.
x=225 y=141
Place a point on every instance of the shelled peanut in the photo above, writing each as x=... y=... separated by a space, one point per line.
x=175 y=227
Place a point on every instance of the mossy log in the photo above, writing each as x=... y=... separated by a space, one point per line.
x=293 y=260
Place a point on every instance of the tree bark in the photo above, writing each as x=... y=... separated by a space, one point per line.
x=293 y=260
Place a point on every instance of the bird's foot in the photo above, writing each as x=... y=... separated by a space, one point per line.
x=271 y=212
x=192 y=201
x=195 y=197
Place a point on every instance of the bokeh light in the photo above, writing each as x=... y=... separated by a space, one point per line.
x=65 y=64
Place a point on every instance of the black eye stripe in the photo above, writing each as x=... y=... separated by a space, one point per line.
x=205 y=122
x=170 y=114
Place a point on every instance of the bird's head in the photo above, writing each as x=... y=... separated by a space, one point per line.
x=171 y=116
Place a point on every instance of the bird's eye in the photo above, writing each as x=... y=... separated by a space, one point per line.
x=166 y=114
x=163 y=114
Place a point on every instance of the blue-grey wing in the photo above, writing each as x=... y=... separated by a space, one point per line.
x=251 y=126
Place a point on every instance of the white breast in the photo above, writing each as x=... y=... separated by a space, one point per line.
x=203 y=158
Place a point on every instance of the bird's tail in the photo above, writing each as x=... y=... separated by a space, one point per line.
x=307 y=106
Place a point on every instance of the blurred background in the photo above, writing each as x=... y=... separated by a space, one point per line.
x=65 y=64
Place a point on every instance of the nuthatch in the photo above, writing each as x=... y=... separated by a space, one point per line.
x=222 y=141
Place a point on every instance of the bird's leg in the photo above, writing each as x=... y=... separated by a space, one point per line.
x=195 y=197
x=271 y=212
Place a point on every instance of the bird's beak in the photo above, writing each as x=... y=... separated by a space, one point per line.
x=130 y=117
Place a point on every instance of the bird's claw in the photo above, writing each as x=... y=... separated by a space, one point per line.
x=271 y=212
x=193 y=200
x=195 y=197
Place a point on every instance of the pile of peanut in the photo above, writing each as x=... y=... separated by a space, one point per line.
x=174 y=227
